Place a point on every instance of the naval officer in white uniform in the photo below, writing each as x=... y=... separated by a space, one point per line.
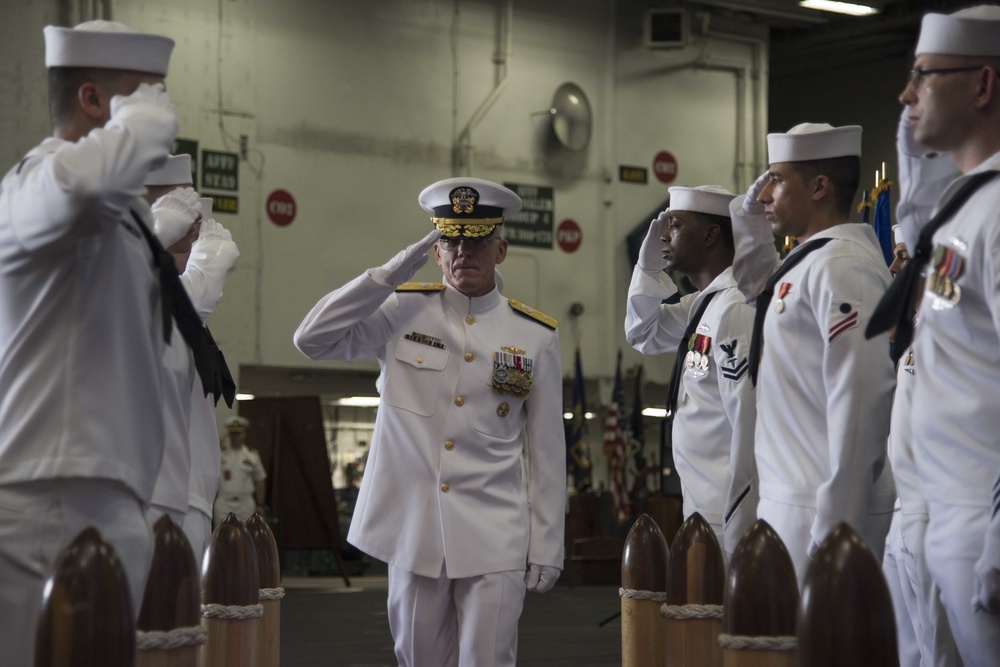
x=81 y=339
x=823 y=390
x=464 y=491
x=954 y=106
x=714 y=409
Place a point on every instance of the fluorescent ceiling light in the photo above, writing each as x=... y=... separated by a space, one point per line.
x=244 y=397
x=359 y=401
x=839 y=7
x=654 y=412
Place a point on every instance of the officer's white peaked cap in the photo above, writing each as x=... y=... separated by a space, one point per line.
x=175 y=171
x=974 y=31
x=236 y=424
x=711 y=199
x=468 y=207
x=813 y=141
x=107 y=44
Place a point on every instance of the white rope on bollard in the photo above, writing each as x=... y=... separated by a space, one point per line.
x=689 y=612
x=231 y=613
x=272 y=593
x=632 y=594
x=172 y=639
x=747 y=643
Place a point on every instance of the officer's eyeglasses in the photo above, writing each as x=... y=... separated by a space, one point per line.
x=917 y=74
x=477 y=243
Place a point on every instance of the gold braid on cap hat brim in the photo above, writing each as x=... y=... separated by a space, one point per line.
x=452 y=227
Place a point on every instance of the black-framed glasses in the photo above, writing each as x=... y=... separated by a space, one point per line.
x=917 y=74
x=472 y=243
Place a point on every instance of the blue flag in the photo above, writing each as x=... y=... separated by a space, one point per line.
x=883 y=221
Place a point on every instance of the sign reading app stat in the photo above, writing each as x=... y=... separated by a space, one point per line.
x=220 y=171
x=532 y=225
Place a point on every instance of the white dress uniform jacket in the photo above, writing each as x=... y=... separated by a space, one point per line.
x=80 y=333
x=824 y=391
x=241 y=470
x=203 y=279
x=443 y=486
x=955 y=420
x=714 y=425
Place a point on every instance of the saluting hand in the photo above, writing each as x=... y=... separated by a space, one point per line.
x=651 y=252
x=408 y=261
x=174 y=213
x=751 y=205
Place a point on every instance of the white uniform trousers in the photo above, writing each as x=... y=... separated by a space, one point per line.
x=923 y=631
x=794 y=525
x=242 y=506
x=198 y=529
x=955 y=538
x=154 y=512
x=37 y=521
x=442 y=622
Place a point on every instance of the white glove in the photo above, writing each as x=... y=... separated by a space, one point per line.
x=986 y=596
x=651 y=251
x=146 y=94
x=541 y=578
x=214 y=241
x=174 y=213
x=401 y=268
x=813 y=548
x=750 y=204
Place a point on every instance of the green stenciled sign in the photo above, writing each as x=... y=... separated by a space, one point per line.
x=532 y=225
x=220 y=171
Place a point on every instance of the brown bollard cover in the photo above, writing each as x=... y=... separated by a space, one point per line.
x=87 y=609
x=229 y=573
x=696 y=573
x=173 y=588
x=846 y=613
x=762 y=593
x=645 y=557
x=267 y=551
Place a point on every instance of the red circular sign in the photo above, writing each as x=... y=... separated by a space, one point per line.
x=281 y=208
x=665 y=167
x=569 y=235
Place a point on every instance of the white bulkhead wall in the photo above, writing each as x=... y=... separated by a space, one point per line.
x=353 y=107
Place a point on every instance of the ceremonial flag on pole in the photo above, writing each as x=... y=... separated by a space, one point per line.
x=615 y=447
x=578 y=464
x=883 y=219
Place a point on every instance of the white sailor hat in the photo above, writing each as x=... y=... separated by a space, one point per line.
x=237 y=424
x=813 y=141
x=206 y=207
x=175 y=171
x=711 y=199
x=974 y=31
x=107 y=44
x=897 y=235
x=468 y=207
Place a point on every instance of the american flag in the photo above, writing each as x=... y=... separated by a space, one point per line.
x=615 y=446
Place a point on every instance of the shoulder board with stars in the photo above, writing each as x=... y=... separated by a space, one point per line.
x=420 y=287
x=537 y=315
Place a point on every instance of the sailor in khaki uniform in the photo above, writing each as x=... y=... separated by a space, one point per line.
x=464 y=490
x=953 y=97
x=823 y=390
x=81 y=341
x=714 y=413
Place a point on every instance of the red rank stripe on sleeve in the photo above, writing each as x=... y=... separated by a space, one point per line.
x=847 y=323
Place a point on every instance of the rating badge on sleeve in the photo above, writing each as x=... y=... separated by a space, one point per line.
x=512 y=372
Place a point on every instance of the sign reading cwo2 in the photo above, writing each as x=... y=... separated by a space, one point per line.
x=280 y=208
